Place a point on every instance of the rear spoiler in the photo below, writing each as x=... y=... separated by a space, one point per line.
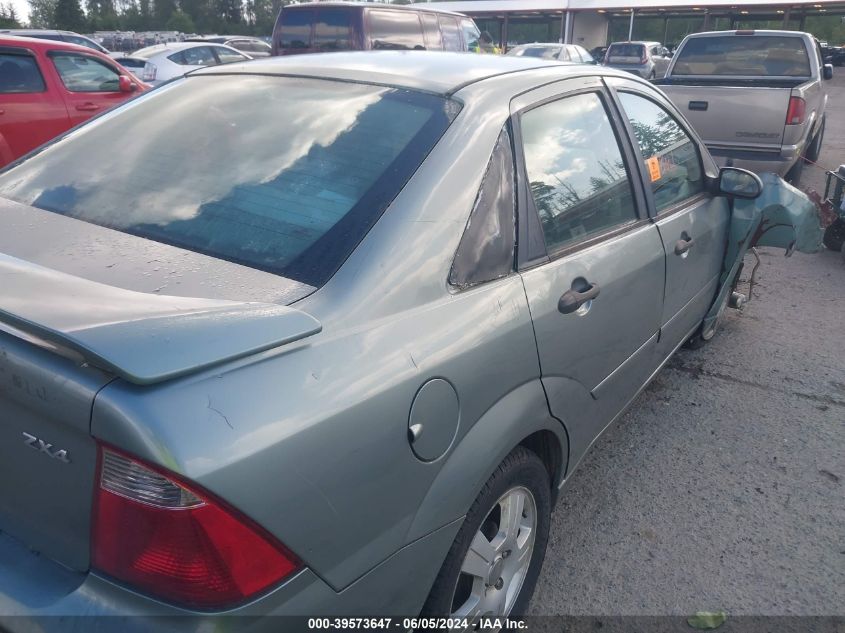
x=140 y=337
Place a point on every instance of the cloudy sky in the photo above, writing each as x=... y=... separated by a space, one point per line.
x=22 y=7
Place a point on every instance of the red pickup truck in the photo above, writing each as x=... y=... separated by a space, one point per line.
x=47 y=87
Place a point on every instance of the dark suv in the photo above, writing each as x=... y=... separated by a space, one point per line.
x=325 y=27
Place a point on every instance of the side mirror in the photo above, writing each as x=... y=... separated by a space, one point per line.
x=828 y=71
x=739 y=183
x=126 y=84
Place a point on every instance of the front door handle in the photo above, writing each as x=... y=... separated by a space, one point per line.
x=571 y=300
x=683 y=245
x=87 y=107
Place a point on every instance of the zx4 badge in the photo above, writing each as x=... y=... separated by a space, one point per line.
x=43 y=447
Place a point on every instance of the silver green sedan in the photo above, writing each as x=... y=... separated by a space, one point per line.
x=330 y=333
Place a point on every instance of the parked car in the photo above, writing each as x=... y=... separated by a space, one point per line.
x=58 y=36
x=162 y=62
x=756 y=97
x=252 y=46
x=47 y=87
x=560 y=52
x=645 y=59
x=289 y=348
x=321 y=27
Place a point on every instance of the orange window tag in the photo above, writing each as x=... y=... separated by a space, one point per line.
x=653 y=165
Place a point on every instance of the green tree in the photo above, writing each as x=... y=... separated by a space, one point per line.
x=181 y=22
x=145 y=15
x=42 y=13
x=202 y=14
x=69 y=15
x=9 y=16
x=162 y=10
x=229 y=15
x=102 y=15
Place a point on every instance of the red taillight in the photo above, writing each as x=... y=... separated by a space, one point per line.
x=795 y=112
x=177 y=543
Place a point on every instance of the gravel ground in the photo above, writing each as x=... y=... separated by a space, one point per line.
x=723 y=487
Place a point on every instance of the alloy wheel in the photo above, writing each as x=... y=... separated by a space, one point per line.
x=497 y=562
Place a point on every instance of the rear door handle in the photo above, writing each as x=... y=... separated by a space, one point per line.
x=87 y=107
x=683 y=245
x=571 y=300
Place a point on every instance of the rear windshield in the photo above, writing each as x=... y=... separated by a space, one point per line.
x=625 y=52
x=281 y=174
x=128 y=62
x=743 y=56
x=545 y=52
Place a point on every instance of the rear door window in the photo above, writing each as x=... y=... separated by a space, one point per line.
x=671 y=156
x=19 y=74
x=395 y=30
x=333 y=30
x=196 y=56
x=80 y=73
x=451 y=33
x=296 y=28
x=82 y=41
x=743 y=55
x=486 y=249
x=226 y=56
x=575 y=170
x=431 y=31
x=258 y=47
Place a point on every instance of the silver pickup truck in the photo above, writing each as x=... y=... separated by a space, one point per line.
x=756 y=97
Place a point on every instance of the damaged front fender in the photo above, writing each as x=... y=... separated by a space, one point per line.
x=780 y=216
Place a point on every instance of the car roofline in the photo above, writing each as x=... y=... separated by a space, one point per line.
x=419 y=7
x=368 y=79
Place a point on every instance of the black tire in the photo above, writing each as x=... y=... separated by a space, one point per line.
x=793 y=176
x=521 y=468
x=701 y=338
x=814 y=150
x=834 y=235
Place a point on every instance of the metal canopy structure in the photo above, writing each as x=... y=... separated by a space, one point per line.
x=594 y=22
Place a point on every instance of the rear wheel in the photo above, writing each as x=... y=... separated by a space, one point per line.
x=793 y=176
x=815 y=148
x=705 y=334
x=494 y=562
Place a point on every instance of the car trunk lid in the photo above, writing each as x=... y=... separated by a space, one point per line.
x=140 y=337
x=756 y=114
